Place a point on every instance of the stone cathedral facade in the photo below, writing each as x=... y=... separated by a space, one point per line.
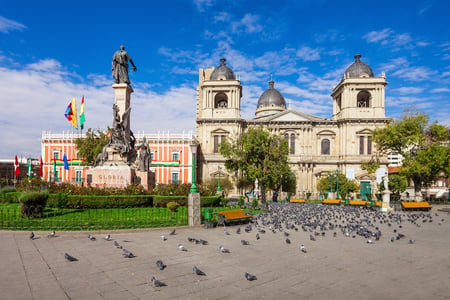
x=317 y=146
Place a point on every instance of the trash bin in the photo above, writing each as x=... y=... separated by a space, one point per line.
x=346 y=201
x=373 y=202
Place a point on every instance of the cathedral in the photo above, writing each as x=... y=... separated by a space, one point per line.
x=317 y=146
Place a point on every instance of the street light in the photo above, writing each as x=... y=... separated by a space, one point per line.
x=337 y=184
x=218 y=184
x=193 y=148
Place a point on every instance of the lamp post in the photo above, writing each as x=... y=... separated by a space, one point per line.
x=331 y=182
x=193 y=148
x=218 y=183
x=337 y=184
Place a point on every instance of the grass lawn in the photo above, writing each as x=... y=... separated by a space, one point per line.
x=83 y=219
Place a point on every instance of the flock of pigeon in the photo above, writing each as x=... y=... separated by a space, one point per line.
x=315 y=220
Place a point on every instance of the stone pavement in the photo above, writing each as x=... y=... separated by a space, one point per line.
x=334 y=268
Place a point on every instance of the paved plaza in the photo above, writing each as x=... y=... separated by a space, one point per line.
x=333 y=268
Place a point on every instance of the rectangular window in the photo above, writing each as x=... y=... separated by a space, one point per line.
x=292 y=146
x=175 y=156
x=175 y=178
x=152 y=154
x=216 y=144
x=56 y=176
x=55 y=154
x=78 y=176
x=369 y=145
x=361 y=145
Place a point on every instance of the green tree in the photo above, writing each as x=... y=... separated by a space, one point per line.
x=397 y=184
x=424 y=147
x=260 y=155
x=346 y=186
x=91 y=145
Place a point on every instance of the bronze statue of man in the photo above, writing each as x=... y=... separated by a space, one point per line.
x=120 y=66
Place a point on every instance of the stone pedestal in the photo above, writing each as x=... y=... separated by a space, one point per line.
x=106 y=176
x=194 y=212
x=385 y=204
x=146 y=179
x=122 y=92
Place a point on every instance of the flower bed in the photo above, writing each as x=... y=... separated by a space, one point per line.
x=357 y=202
x=331 y=201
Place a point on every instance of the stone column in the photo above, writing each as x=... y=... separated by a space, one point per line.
x=194 y=212
x=122 y=92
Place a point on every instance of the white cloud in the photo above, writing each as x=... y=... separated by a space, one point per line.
x=308 y=54
x=440 y=90
x=202 y=5
x=38 y=94
x=248 y=23
x=7 y=25
x=408 y=90
x=414 y=73
x=378 y=36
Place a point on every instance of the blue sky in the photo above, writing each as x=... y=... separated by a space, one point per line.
x=52 y=51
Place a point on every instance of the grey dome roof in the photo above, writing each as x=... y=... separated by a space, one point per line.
x=358 y=68
x=271 y=97
x=222 y=72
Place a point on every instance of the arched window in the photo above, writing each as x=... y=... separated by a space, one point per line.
x=325 y=147
x=221 y=101
x=363 y=99
x=292 y=144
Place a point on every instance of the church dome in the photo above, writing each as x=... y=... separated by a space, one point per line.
x=222 y=72
x=271 y=97
x=271 y=101
x=358 y=69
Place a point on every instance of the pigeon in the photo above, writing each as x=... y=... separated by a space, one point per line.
x=32 y=235
x=249 y=276
x=288 y=241
x=245 y=243
x=108 y=237
x=163 y=237
x=69 y=257
x=285 y=233
x=257 y=236
x=226 y=232
x=412 y=241
x=91 y=237
x=369 y=241
x=127 y=254
x=238 y=231
x=172 y=232
x=392 y=239
x=223 y=249
x=303 y=248
x=198 y=271
x=181 y=247
x=160 y=264
x=52 y=234
x=157 y=283
x=117 y=245
x=203 y=242
x=311 y=237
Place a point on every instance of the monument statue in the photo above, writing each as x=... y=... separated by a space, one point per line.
x=120 y=66
x=385 y=182
x=145 y=158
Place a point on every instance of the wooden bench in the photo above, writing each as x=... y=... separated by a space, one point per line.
x=416 y=205
x=357 y=202
x=331 y=201
x=232 y=215
x=297 y=200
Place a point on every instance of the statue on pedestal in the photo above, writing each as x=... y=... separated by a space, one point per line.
x=145 y=157
x=120 y=66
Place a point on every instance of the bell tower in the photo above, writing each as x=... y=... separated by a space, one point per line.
x=359 y=95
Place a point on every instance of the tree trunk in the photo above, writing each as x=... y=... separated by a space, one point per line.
x=262 y=187
x=417 y=189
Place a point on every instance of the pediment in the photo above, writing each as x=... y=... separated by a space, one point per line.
x=293 y=116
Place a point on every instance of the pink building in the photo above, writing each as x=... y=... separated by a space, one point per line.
x=171 y=156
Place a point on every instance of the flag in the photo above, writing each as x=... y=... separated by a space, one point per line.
x=71 y=113
x=29 y=166
x=16 y=167
x=66 y=163
x=82 y=114
x=41 y=170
